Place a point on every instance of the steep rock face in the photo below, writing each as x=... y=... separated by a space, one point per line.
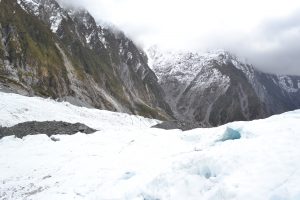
x=58 y=52
x=215 y=88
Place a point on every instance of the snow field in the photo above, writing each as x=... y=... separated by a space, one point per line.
x=126 y=159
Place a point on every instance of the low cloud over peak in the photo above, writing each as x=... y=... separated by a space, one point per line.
x=266 y=33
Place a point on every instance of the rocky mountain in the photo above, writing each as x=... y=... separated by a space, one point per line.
x=216 y=87
x=50 y=50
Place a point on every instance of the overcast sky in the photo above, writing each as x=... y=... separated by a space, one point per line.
x=265 y=32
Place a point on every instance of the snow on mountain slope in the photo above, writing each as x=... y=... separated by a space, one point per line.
x=65 y=54
x=166 y=63
x=48 y=6
x=127 y=160
x=187 y=64
x=216 y=87
x=197 y=84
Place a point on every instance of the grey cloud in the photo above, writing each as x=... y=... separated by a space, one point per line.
x=273 y=46
x=283 y=35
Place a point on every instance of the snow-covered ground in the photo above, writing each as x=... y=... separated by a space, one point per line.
x=126 y=159
x=15 y=109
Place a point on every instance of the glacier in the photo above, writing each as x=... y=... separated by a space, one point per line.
x=126 y=159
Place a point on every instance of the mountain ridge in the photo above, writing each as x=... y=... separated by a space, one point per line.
x=216 y=87
x=55 y=51
x=63 y=53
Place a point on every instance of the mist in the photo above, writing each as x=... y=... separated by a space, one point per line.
x=266 y=34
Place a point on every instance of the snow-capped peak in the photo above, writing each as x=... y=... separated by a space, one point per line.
x=194 y=83
x=189 y=63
